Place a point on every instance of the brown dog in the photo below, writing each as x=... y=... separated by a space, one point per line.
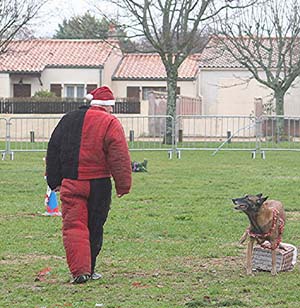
x=267 y=219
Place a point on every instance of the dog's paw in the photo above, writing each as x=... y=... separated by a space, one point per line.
x=242 y=241
x=249 y=273
x=243 y=238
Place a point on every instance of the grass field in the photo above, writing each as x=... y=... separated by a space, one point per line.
x=173 y=242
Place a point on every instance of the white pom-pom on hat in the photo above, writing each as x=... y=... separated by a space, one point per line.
x=102 y=96
x=89 y=96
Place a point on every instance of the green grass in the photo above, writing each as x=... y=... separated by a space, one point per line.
x=172 y=242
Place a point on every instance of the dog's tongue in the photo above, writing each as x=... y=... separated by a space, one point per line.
x=240 y=207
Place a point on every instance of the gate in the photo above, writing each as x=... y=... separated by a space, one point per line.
x=30 y=133
x=199 y=132
x=148 y=132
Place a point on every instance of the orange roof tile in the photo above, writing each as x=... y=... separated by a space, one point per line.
x=35 y=55
x=215 y=54
x=150 y=66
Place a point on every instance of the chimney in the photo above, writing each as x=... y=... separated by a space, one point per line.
x=112 y=30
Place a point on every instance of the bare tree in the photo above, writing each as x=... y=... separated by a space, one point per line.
x=172 y=27
x=266 y=41
x=14 y=16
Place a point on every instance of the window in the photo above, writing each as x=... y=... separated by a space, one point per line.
x=80 y=91
x=56 y=89
x=133 y=92
x=74 y=91
x=70 y=91
x=90 y=87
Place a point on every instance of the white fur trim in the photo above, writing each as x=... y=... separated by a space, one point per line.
x=89 y=96
x=103 y=103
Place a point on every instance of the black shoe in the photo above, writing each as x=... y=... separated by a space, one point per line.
x=81 y=279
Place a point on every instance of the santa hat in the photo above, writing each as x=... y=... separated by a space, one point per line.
x=101 y=96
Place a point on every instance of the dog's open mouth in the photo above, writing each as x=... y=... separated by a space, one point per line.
x=241 y=207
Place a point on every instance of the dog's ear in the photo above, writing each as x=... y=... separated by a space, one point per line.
x=259 y=195
x=261 y=200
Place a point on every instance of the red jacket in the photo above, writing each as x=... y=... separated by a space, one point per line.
x=89 y=143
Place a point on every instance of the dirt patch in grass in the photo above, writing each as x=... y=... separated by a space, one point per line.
x=30 y=258
x=18 y=215
x=208 y=263
x=293 y=216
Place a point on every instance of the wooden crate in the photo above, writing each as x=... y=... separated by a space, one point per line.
x=285 y=258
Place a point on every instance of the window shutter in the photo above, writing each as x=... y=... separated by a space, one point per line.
x=90 y=87
x=56 y=89
x=22 y=90
x=133 y=92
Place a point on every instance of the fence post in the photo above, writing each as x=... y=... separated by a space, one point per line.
x=131 y=135
x=229 y=136
x=32 y=136
x=7 y=141
x=180 y=135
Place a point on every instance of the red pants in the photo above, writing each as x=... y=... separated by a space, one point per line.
x=85 y=207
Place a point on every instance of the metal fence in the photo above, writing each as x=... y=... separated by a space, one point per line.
x=30 y=134
x=148 y=132
x=198 y=132
x=188 y=132
x=279 y=133
x=3 y=135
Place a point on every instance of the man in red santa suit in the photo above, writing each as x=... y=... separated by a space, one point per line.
x=86 y=148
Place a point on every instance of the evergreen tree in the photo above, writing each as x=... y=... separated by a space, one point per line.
x=83 y=27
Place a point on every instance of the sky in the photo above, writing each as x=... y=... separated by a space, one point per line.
x=55 y=11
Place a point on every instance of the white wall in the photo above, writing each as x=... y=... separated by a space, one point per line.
x=70 y=76
x=110 y=66
x=187 y=88
x=4 y=85
x=292 y=100
x=225 y=92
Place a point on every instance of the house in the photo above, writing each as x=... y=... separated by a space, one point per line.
x=68 y=68
x=227 y=89
x=72 y=68
x=139 y=74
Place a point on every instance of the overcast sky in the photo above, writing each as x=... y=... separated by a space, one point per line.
x=55 y=11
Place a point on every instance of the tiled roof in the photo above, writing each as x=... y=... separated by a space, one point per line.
x=150 y=67
x=35 y=55
x=215 y=54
